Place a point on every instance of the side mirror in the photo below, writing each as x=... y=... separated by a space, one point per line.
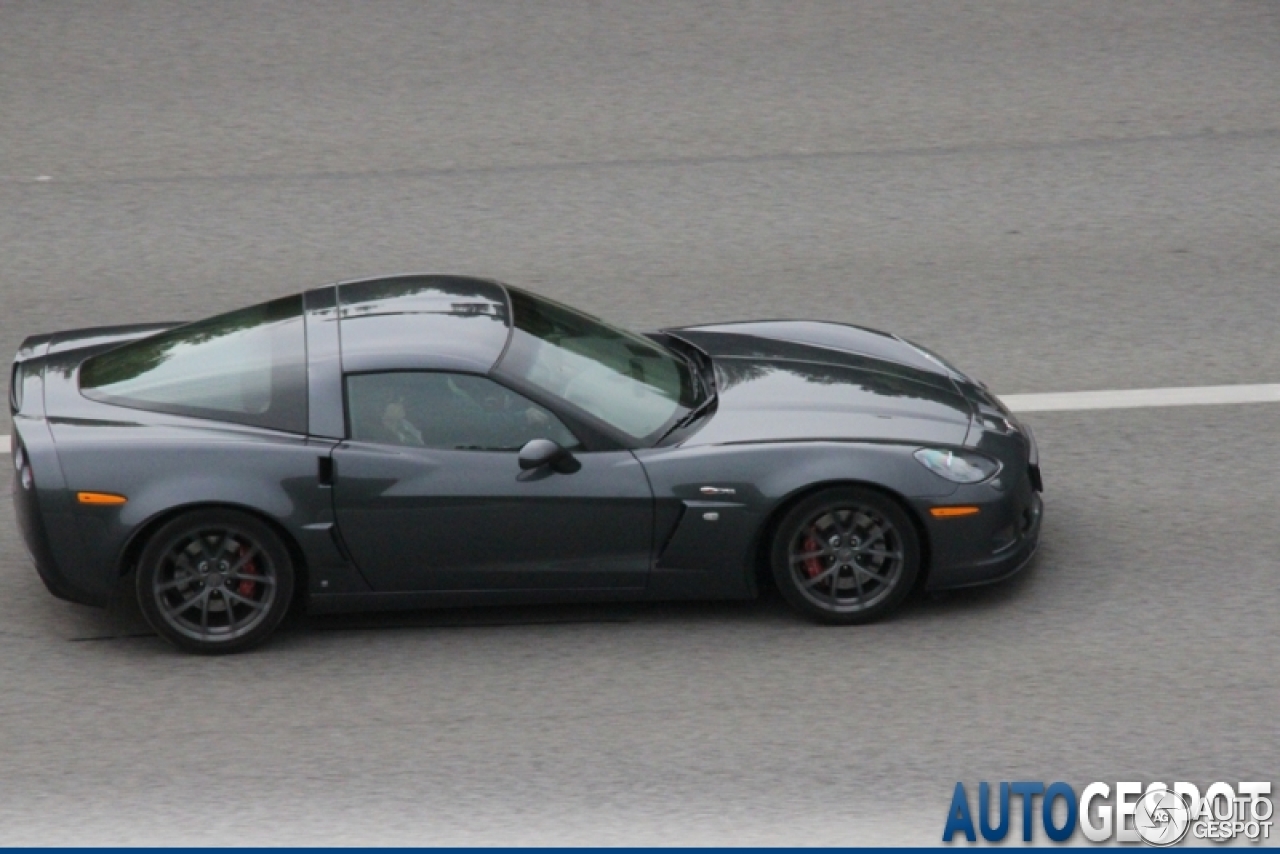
x=543 y=452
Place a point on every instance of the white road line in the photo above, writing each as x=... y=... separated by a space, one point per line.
x=1134 y=398
x=1142 y=398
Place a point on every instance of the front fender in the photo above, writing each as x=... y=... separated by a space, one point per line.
x=713 y=502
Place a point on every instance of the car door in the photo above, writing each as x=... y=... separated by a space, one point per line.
x=429 y=494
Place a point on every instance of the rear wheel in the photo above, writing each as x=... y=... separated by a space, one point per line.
x=215 y=581
x=845 y=555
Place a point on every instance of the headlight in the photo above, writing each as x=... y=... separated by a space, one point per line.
x=957 y=466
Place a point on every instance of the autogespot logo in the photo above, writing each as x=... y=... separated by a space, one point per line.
x=1158 y=815
x=1162 y=817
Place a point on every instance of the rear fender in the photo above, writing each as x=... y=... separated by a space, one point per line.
x=161 y=469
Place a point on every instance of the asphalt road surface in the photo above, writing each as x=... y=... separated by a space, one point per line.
x=1059 y=197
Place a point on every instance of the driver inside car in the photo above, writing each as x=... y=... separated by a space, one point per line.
x=397 y=426
x=438 y=410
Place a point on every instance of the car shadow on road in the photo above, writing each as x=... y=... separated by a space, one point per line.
x=768 y=609
x=122 y=620
x=502 y=616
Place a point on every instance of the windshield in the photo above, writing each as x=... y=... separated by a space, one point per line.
x=626 y=381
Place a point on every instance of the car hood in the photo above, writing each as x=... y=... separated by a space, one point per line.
x=766 y=336
x=773 y=389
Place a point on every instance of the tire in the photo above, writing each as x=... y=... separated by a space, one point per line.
x=215 y=581
x=845 y=556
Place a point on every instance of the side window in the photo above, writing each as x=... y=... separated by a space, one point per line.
x=443 y=410
x=248 y=366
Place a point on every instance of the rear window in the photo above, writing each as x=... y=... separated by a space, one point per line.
x=248 y=366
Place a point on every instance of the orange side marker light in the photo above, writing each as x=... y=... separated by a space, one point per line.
x=100 y=498
x=952 y=512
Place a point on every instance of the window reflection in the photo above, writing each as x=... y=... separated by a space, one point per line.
x=247 y=366
x=625 y=380
x=446 y=410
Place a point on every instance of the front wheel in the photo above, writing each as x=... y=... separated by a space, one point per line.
x=215 y=581
x=845 y=555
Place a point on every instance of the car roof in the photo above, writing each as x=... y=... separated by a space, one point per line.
x=423 y=321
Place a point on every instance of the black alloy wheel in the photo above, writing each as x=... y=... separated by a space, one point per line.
x=215 y=581
x=845 y=555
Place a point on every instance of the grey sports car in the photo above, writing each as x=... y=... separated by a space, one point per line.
x=427 y=440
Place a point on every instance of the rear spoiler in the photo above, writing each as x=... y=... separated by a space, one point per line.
x=48 y=343
x=97 y=336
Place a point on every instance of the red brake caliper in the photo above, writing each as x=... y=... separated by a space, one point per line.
x=812 y=565
x=246 y=588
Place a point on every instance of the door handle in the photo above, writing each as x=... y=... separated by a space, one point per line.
x=324 y=471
